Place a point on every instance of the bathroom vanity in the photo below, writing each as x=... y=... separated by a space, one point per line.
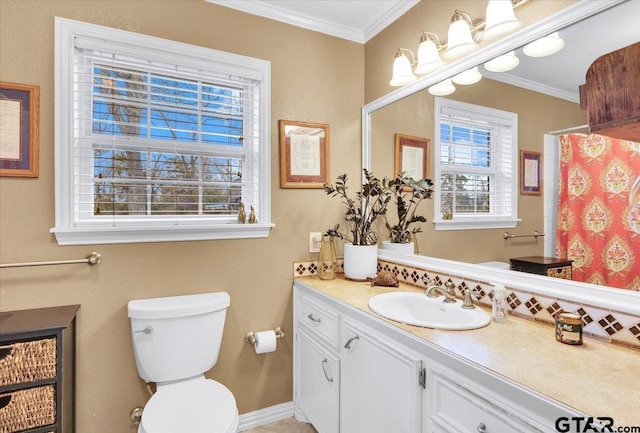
x=355 y=371
x=37 y=362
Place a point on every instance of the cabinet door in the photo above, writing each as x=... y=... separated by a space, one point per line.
x=381 y=391
x=318 y=384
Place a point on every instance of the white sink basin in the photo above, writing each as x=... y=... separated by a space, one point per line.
x=420 y=310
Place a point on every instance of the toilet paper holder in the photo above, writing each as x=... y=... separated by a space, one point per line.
x=251 y=336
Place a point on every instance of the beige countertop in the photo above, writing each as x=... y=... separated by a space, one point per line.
x=597 y=378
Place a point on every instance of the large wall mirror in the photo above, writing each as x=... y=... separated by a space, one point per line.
x=543 y=107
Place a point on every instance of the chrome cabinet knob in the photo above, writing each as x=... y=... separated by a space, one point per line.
x=482 y=428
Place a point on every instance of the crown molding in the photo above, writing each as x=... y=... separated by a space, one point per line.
x=277 y=13
x=532 y=85
x=400 y=8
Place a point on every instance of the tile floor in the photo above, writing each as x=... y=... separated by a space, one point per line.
x=288 y=425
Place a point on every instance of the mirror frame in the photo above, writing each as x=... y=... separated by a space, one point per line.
x=626 y=301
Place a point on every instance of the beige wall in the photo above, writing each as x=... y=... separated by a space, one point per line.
x=315 y=78
x=537 y=115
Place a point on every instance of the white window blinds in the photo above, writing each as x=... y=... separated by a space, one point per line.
x=475 y=164
x=163 y=137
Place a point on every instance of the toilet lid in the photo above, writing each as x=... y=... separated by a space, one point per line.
x=204 y=406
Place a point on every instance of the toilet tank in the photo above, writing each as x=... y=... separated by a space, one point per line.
x=177 y=337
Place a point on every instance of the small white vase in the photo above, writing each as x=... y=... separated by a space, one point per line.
x=360 y=261
x=398 y=248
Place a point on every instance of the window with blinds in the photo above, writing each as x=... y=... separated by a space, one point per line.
x=158 y=136
x=476 y=164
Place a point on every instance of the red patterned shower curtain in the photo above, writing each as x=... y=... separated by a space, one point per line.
x=597 y=228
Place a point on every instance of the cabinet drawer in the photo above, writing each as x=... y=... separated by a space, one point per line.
x=27 y=408
x=459 y=409
x=27 y=361
x=319 y=320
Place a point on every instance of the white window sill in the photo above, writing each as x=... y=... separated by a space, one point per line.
x=121 y=235
x=475 y=224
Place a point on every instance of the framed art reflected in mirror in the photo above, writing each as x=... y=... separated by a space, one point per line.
x=412 y=156
x=530 y=173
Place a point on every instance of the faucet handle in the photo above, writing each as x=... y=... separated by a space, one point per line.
x=468 y=300
x=450 y=286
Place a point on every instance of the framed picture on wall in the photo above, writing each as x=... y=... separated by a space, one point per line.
x=412 y=156
x=19 y=111
x=304 y=154
x=530 y=173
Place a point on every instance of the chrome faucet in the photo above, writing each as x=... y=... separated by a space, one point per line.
x=433 y=291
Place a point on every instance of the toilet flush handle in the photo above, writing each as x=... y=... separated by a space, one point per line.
x=148 y=330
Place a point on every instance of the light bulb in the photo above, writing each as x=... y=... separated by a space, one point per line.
x=544 y=46
x=460 y=40
x=470 y=76
x=428 y=57
x=503 y=63
x=402 y=73
x=443 y=88
x=500 y=18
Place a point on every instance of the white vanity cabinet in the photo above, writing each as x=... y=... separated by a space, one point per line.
x=380 y=389
x=357 y=373
x=367 y=383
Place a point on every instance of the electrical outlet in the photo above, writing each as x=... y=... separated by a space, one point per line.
x=314 y=242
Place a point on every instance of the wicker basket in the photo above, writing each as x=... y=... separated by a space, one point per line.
x=27 y=409
x=28 y=361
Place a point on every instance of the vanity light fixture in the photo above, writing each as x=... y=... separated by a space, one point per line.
x=443 y=88
x=544 y=46
x=500 y=19
x=463 y=37
x=503 y=63
x=402 y=73
x=460 y=39
x=470 y=76
x=428 y=57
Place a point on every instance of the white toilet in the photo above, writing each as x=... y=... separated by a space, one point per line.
x=175 y=341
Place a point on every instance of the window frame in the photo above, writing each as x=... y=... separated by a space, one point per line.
x=474 y=221
x=69 y=229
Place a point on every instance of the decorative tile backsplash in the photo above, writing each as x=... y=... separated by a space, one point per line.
x=602 y=324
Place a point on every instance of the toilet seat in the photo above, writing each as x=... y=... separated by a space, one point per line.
x=200 y=406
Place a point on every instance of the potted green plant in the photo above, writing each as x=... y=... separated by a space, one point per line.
x=407 y=194
x=361 y=249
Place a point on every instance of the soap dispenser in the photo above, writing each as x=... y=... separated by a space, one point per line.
x=499 y=308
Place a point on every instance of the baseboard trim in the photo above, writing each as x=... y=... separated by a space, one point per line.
x=264 y=416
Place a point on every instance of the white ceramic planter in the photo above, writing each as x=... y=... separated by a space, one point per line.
x=360 y=261
x=398 y=248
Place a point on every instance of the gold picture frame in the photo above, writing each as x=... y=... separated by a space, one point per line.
x=412 y=155
x=19 y=108
x=304 y=154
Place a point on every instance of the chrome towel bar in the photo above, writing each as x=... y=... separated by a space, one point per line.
x=535 y=234
x=92 y=259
